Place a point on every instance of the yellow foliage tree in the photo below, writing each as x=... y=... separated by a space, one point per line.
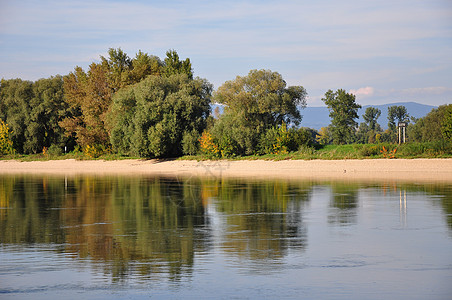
x=6 y=144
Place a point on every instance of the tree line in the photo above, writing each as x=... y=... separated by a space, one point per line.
x=148 y=107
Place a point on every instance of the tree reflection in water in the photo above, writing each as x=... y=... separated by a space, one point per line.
x=149 y=227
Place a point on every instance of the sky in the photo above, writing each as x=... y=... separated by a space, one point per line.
x=382 y=51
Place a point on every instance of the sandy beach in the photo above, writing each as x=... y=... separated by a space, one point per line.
x=370 y=169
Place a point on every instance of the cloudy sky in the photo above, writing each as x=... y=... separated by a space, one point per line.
x=382 y=51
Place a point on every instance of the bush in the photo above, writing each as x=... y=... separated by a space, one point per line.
x=94 y=151
x=6 y=144
x=370 y=150
x=280 y=140
x=55 y=150
x=208 y=146
x=190 y=143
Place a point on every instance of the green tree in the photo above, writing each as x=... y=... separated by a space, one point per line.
x=368 y=130
x=118 y=67
x=173 y=65
x=343 y=112
x=151 y=118
x=15 y=95
x=33 y=110
x=253 y=104
x=47 y=108
x=446 y=124
x=397 y=113
x=371 y=116
x=432 y=127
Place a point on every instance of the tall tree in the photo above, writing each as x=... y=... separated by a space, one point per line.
x=15 y=98
x=255 y=103
x=89 y=94
x=47 y=108
x=371 y=116
x=144 y=65
x=150 y=119
x=117 y=66
x=343 y=112
x=173 y=65
x=397 y=113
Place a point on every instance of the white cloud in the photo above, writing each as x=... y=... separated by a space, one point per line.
x=363 y=92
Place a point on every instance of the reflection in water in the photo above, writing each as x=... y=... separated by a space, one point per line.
x=344 y=204
x=150 y=228
x=159 y=222
x=403 y=208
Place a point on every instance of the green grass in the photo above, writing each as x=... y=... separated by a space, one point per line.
x=71 y=155
x=438 y=149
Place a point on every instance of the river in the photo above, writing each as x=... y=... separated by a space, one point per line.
x=138 y=237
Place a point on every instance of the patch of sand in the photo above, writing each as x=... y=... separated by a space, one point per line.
x=369 y=169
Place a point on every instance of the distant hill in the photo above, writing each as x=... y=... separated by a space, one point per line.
x=318 y=117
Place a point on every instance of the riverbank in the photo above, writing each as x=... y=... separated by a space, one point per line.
x=367 y=169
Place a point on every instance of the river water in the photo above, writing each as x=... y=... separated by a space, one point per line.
x=113 y=237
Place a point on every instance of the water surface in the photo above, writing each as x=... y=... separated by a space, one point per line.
x=101 y=237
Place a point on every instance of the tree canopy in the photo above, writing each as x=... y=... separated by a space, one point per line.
x=343 y=112
x=148 y=107
x=253 y=104
x=151 y=118
x=397 y=113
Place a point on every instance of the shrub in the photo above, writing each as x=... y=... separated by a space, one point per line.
x=208 y=146
x=280 y=140
x=55 y=150
x=370 y=150
x=190 y=143
x=274 y=140
x=228 y=147
x=94 y=151
x=6 y=144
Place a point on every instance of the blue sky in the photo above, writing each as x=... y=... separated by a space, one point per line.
x=382 y=51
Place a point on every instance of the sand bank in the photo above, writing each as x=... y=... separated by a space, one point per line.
x=377 y=169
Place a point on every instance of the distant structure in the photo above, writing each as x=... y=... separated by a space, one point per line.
x=402 y=128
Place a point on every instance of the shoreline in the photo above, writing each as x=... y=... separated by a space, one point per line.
x=430 y=170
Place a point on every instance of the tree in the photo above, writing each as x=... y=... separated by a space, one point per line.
x=144 y=65
x=118 y=67
x=175 y=66
x=324 y=136
x=371 y=116
x=89 y=97
x=369 y=129
x=253 y=104
x=153 y=117
x=89 y=94
x=343 y=112
x=47 y=108
x=33 y=110
x=446 y=124
x=433 y=127
x=397 y=113
x=15 y=97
